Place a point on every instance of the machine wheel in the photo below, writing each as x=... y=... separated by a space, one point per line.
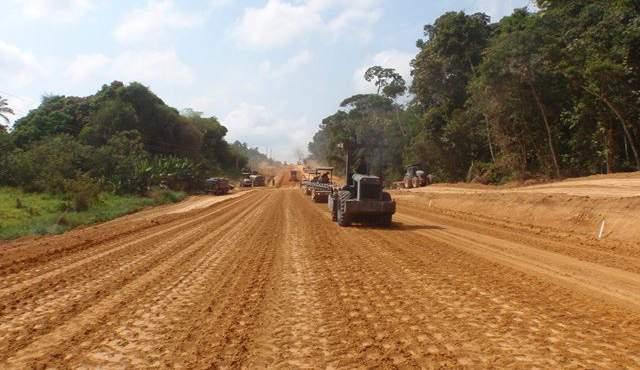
x=385 y=220
x=343 y=218
x=407 y=183
x=415 y=182
x=333 y=207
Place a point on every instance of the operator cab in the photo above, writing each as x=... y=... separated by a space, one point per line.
x=367 y=187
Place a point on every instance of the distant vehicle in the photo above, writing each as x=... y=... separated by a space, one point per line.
x=257 y=180
x=246 y=181
x=416 y=178
x=293 y=176
x=320 y=184
x=217 y=186
x=361 y=200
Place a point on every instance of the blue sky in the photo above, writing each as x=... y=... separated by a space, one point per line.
x=270 y=70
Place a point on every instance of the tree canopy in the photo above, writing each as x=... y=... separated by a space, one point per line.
x=124 y=137
x=553 y=93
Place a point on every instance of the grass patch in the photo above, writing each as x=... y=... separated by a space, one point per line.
x=38 y=214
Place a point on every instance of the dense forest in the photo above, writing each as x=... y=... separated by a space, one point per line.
x=124 y=140
x=552 y=93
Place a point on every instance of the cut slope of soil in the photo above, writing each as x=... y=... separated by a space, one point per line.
x=574 y=206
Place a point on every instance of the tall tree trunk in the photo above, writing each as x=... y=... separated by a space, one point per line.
x=547 y=126
x=622 y=122
x=404 y=134
x=610 y=142
x=486 y=120
x=626 y=148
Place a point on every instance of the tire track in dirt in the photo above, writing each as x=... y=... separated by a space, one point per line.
x=22 y=255
x=485 y=329
x=33 y=320
x=620 y=255
x=18 y=281
x=268 y=281
x=293 y=332
x=354 y=319
x=494 y=316
x=144 y=331
x=602 y=281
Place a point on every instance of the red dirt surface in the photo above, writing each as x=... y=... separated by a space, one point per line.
x=267 y=280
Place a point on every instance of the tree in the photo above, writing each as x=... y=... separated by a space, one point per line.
x=5 y=109
x=518 y=55
x=126 y=137
x=387 y=80
x=447 y=60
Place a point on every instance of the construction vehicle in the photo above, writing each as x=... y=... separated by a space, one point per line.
x=320 y=186
x=362 y=199
x=257 y=180
x=217 y=186
x=309 y=174
x=246 y=181
x=414 y=177
x=293 y=176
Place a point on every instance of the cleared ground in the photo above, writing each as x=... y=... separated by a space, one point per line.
x=267 y=280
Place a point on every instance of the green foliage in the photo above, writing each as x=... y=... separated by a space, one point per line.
x=387 y=80
x=5 y=110
x=83 y=191
x=246 y=156
x=43 y=213
x=46 y=165
x=546 y=94
x=124 y=138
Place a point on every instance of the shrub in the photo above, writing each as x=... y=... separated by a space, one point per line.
x=47 y=165
x=83 y=192
x=161 y=196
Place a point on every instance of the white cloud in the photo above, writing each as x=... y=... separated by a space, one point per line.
x=497 y=9
x=398 y=60
x=84 y=67
x=21 y=106
x=154 y=20
x=292 y=65
x=18 y=67
x=148 y=66
x=215 y=4
x=261 y=127
x=56 y=10
x=280 y=22
x=152 y=65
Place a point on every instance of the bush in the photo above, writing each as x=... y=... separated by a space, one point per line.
x=161 y=196
x=83 y=193
x=47 y=165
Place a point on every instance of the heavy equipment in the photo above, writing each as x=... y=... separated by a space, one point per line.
x=320 y=186
x=252 y=179
x=362 y=199
x=414 y=177
x=257 y=180
x=293 y=176
x=217 y=186
x=246 y=181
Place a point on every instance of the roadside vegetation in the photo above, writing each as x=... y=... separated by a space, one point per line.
x=537 y=95
x=23 y=213
x=78 y=160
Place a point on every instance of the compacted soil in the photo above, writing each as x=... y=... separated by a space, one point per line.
x=265 y=279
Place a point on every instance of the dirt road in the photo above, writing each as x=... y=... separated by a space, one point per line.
x=267 y=280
